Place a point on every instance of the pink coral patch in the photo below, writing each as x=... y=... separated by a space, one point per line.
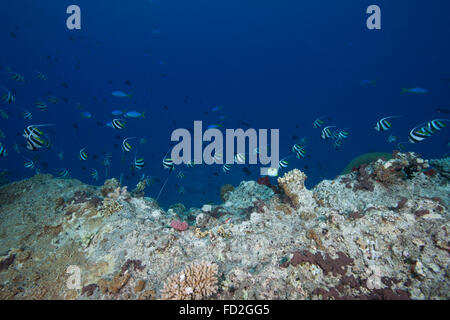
x=178 y=225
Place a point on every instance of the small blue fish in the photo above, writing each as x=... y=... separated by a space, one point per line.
x=368 y=82
x=121 y=94
x=214 y=126
x=86 y=114
x=217 y=108
x=134 y=114
x=414 y=90
x=117 y=112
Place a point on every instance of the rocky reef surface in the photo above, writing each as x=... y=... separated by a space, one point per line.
x=378 y=232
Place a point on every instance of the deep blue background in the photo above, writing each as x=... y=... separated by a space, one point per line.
x=272 y=64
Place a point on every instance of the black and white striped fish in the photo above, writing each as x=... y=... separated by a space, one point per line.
x=326 y=133
x=384 y=124
x=118 y=124
x=8 y=96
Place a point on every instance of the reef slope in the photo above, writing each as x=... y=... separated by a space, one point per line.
x=379 y=232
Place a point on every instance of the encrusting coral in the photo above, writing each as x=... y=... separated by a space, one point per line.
x=109 y=207
x=197 y=281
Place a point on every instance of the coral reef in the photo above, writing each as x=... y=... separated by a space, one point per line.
x=197 y=281
x=224 y=191
x=442 y=166
x=379 y=232
x=365 y=158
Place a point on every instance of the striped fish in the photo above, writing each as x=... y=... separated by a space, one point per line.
x=61 y=155
x=41 y=105
x=35 y=142
x=326 y=133
x=383 y=124
x=180 y=174
x=180 y=189
x=34 y=131
x=318 y=123
x=29 y=164
x=401 y=146
x=63 y=173
x=4 y=173
x=41 y=76
x=3 y=152
x=226 y=167
x=299 y=150
x=190 y=164
x=83 y=155
x=94 y=174
x=344 y=133
x=53 y=99
x=239 y=158
x=392 y=138
x=106 y=162
x=337 y=144
x=17 y=77
x=283 y=163
x=126 y=146
x=8 y=96
x=168 y=164
x=436 y=125
x=138 y=163
x=27 y=115
x=416 y=135
x=118 y=124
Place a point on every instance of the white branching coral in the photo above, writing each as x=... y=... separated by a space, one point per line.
x=195 y=282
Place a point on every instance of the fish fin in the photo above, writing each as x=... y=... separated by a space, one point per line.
x=404 y=90
x=143 y=114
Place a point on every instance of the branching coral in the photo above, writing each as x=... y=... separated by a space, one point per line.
x=109 y=207
x=197 y=281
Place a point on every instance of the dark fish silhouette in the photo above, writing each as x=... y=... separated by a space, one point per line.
x=442 y=110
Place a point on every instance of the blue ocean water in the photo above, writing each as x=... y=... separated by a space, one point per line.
x=272 y=65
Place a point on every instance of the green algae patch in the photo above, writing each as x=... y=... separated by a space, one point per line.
x=366 y=158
